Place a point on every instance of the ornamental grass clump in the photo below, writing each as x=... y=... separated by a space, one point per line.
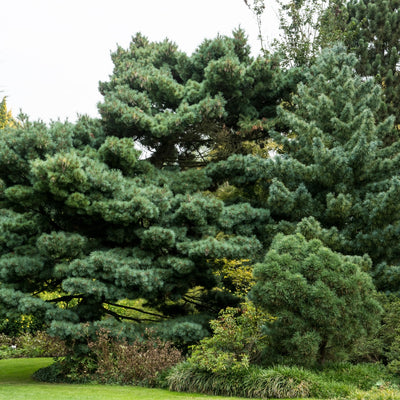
x=255 y=382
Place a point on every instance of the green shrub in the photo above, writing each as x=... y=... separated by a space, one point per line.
x=54 y=373
x=237 y=340
x=362 y=376
x=335 y=381
x=39 y=344
x=324 y=301
x=390 y=333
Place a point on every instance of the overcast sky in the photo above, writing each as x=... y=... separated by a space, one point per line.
x=53 y=53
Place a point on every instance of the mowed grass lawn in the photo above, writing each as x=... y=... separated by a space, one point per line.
x=16 y=383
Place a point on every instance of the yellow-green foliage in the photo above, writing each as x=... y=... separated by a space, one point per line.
x=237 y=340
x=237 y=275
x=6 y=119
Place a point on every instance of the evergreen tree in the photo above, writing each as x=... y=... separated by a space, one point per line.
x=6 y=118
x=323 y=301
x=179 y=107
x=85 y=225
x=373 y=34
x=335 y=179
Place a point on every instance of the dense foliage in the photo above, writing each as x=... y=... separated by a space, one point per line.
x=335 y=180
x=373 y=33
x=83 y=227
x=323 y=301
x=239 y=167
x=180 y=107
x=237 y=341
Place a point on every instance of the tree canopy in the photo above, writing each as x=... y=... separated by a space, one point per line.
x=335 y=178
x=180 y=107
x=373 y=34
x=94 y=233
x=83 y=227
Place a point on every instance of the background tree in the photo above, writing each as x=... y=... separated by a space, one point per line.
x=6 y=118
x=335 y=179
x=373 y=34
x=180 y=107
x=369 y=28
x=257 y=7
x=308 y=26
x=323 y=301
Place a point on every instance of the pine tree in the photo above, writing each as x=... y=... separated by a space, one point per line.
x=86 y=226
x=180 y=107
x=335 y=179
x=323 y=301
x=373 y=34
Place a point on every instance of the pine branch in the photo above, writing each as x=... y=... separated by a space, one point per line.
x=65 y=298
x=119 y=317
x=134 y=309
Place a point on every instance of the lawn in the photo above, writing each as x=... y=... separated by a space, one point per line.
x=16 y=383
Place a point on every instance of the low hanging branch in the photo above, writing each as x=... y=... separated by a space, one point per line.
x=135 y=309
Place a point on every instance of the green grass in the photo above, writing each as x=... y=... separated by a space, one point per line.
x=16 y=384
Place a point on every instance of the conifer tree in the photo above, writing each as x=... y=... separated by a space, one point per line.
x=179 y=107
x=335 y=179
x=84 y=225
x=6 y=118
x=373 y=34
x=323 y=301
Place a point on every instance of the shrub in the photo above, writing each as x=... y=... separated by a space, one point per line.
x=115 y=361
x=237 y=340
x=324 y=301
x=390 y=333
x=54 y=373
x=186 y=377
x=39 y=344
x=341 y=380
x=22 y=324
x=364 y=376
x=137 y=362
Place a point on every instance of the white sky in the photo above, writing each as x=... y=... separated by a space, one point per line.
x=53 y=53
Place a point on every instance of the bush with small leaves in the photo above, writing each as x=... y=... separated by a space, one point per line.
x=39 y=344
x=237 y=341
